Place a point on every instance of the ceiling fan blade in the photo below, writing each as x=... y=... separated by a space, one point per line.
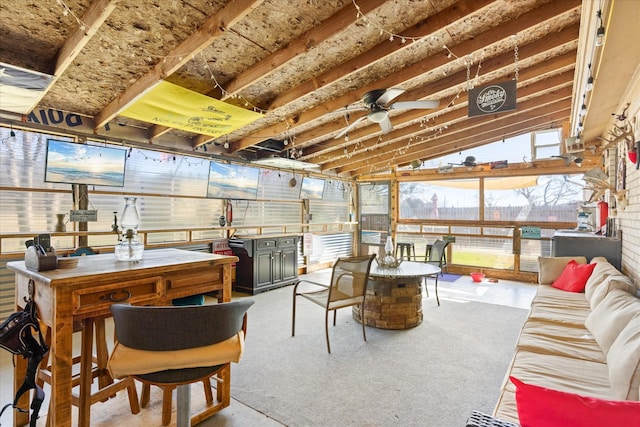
x=389 y=95
x=344 y=131
x=414 y=105
x=386 y=125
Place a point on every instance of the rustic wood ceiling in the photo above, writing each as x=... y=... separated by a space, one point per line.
x=306 y=66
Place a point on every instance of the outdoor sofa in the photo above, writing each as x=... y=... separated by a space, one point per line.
x=577 y=359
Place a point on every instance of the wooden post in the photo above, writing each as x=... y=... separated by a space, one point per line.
x=81 y=201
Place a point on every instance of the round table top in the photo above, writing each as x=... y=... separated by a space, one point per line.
x=406 y=269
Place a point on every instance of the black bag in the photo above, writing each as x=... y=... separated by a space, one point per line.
x=17 y=338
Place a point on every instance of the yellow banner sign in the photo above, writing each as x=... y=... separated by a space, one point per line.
x=176 y=107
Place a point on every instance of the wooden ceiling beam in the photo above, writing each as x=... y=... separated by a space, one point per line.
x=480 y=42
x=548 y=66
x=93 y=18
x=305 y=42
x=469 y=138
x=381 y=51
x=526 y=109
x=470 y=142
x=228 y=16
x=340 y=160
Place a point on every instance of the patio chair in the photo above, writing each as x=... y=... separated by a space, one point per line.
x=347 y=288
x=436 y=255
x=179 y=345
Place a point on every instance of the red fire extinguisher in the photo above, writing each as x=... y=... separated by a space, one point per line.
x=229 y=212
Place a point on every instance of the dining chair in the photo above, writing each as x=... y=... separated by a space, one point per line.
x=179 y=345
x=436 y=255
x=347 y=287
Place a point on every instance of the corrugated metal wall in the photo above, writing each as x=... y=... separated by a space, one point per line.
x=171 y=193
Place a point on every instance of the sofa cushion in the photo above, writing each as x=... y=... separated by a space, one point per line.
x=548 y=295
x=566 y=315
x=615 y=281
x=624 y=362
x=562 y=373
x=574 y=277
x=542 y=406
x=550 y=268
x=556 y=338
x=601 y=271
x=610 y=316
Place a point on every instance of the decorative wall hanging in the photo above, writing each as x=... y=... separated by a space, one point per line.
x=492 y=98
x=21 y=89
x=179 y=108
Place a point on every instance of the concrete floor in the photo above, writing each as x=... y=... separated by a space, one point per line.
x=513 y=294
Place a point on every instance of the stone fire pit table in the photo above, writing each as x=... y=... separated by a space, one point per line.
x=394 y=295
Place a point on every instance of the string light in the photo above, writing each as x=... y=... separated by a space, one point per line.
x=600 y=32
x=589 y=86
x=383 y=32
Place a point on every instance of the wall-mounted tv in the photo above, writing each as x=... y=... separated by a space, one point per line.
x=74 y=163
x=229 y=181
x=312 y=188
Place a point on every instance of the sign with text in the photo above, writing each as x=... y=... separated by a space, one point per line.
x=492 y=98
x=530 y=232
x=83 y=215
x=176 y=107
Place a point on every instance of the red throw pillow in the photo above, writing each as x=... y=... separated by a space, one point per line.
x=544 y=407
x=574 y=277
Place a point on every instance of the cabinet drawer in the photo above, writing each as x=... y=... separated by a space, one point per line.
x=266 y=244
x=194 y=282
x=96 y=300
x=287 y=241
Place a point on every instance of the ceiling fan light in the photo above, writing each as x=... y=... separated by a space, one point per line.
x=377 y=116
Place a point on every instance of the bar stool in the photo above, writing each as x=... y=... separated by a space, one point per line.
x=410 y=248
x=91 y=366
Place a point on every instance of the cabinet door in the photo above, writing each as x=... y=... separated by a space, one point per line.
x=289 y=264
x=277 y=267
x=264 y=268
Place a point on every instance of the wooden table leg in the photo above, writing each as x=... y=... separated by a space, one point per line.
x=61 y=359
x=86 y=362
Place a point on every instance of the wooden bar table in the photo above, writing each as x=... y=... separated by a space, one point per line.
x=87 y=291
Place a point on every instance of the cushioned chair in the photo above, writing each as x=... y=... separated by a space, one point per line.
x=437 y=255
x=347 y=287
x=180 y=345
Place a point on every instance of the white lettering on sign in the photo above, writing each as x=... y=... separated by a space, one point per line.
x=83 y=215
x=491 y=98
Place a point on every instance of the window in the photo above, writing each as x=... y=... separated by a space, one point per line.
x=546 y=144
x=450 y=200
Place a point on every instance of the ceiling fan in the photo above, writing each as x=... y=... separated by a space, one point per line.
x=377 y=103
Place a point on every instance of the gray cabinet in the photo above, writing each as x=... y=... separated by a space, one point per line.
x=265 y=263
x=576 y=243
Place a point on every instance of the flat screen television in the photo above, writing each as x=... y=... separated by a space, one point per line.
x=229 y=181
x=312 y=188
x=75 y=163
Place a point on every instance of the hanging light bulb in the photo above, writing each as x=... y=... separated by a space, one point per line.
x=583 y=110
x=600 y=31
x=589 y=86
x=600 y=36
x=12 y=136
